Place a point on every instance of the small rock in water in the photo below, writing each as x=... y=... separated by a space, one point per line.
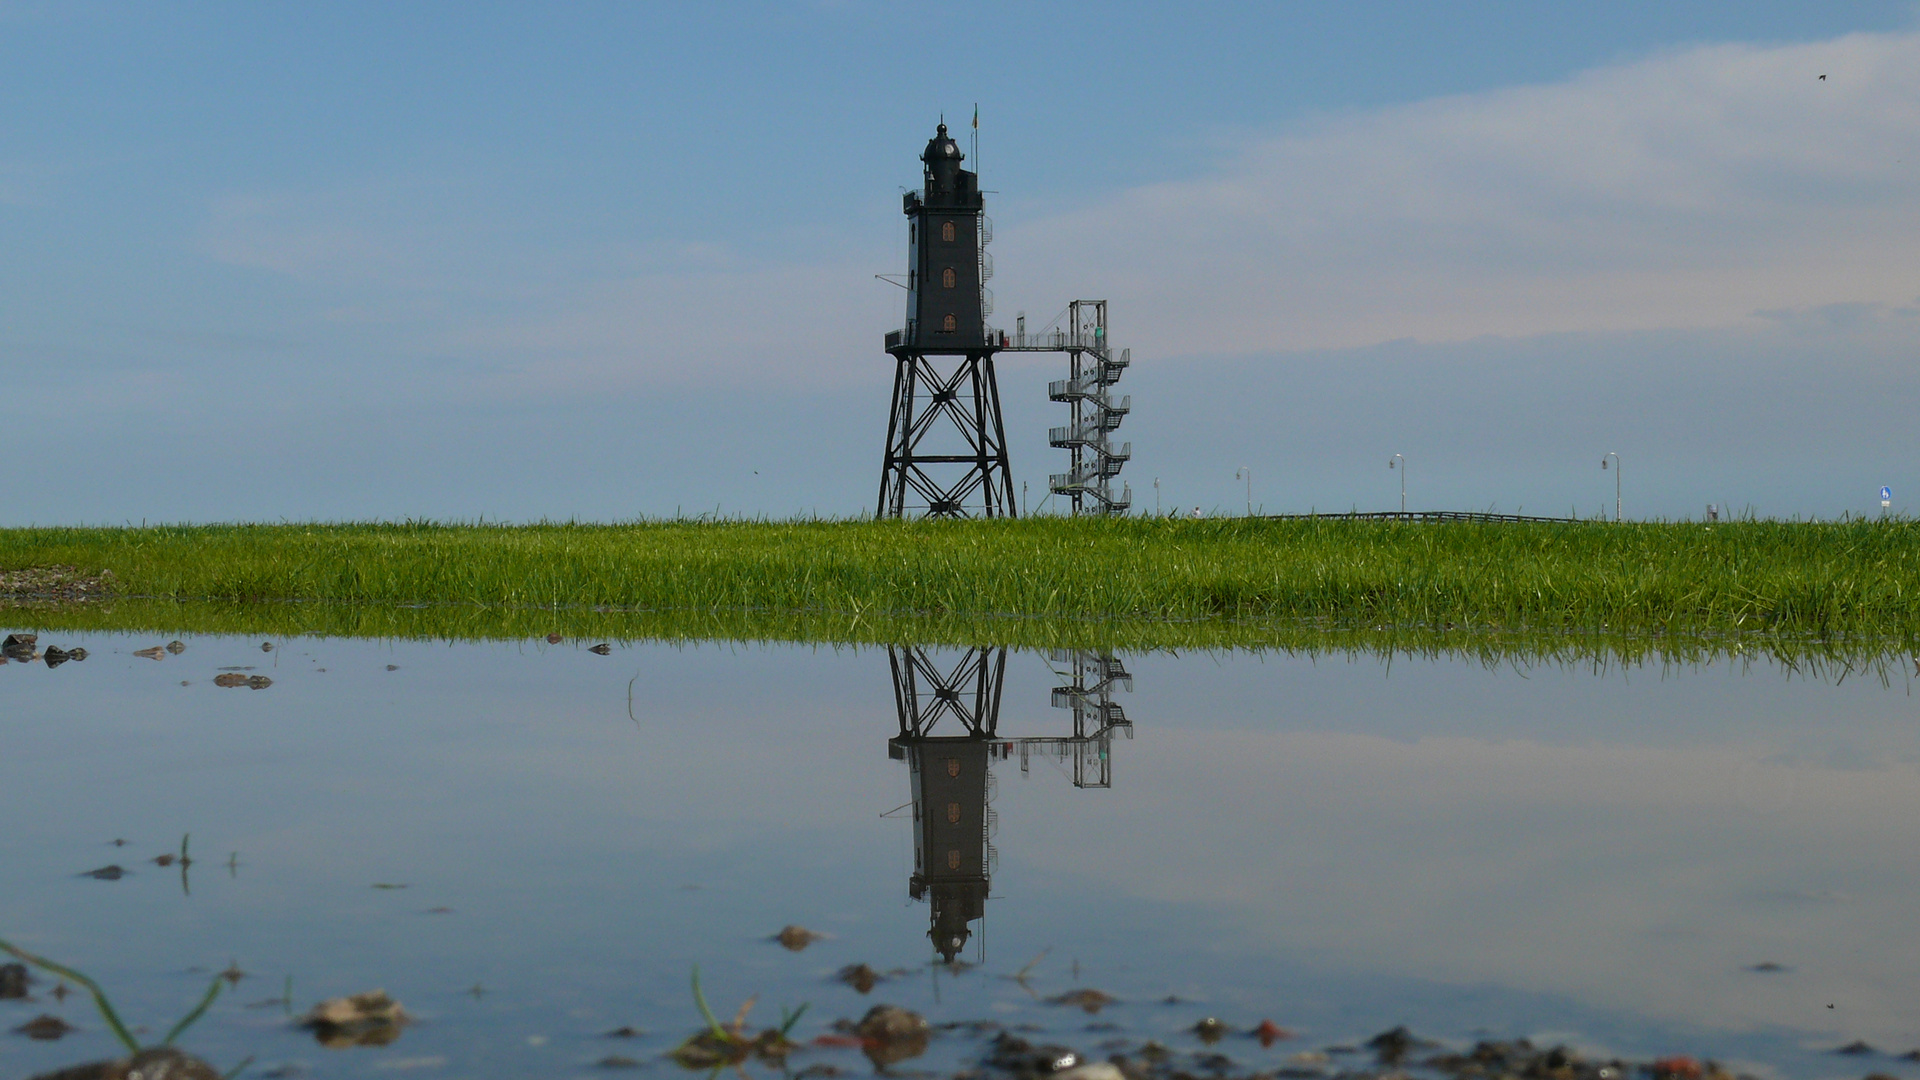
x=1092 y=1070
x=1269 y=1033
x=176 y=647
x=615 y=1061
x=76 y=654
x=859 y=976
x=258 y=682
x=1856 y=1048
x=1090 y=1000
x=13 y=980
x=55 y=656
x=1012 y=1054
x=160 y=1063
x=393 y=667
x=18 y=646
x=796 y=938
x=266 y=646
x=1767 y=966
x=1392 y=1045
x=45 y=1028
x=890 y=1034
x=1911 y=1055
x=623 y=1033
x=230 y=679
x=106 y=873
x=155 y=653
x=1211 y=1030
x=369 y=1019
x=553 y=639
x=601 y=649
x=1677 y=1067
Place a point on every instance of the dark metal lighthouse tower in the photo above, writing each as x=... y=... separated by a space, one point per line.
x=946 y=447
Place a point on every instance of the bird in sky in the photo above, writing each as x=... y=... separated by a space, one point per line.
x=1823 y=78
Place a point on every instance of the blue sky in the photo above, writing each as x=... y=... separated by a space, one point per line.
x=513 y=261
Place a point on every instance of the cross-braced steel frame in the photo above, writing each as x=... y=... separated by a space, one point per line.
x=965 y=475
x=969 y=692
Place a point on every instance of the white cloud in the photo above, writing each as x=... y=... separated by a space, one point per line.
x=1684 y=190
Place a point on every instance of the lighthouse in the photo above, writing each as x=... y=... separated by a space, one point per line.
x=946 y=450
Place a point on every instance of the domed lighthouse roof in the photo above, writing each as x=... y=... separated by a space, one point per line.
x=942 y=148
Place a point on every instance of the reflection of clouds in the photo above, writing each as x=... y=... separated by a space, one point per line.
x=1627 y=876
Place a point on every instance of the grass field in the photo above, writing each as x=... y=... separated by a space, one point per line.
x=1212 y=582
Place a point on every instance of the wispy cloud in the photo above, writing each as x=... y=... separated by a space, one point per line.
x=1687 y=189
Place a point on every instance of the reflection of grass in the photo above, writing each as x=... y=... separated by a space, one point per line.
x=1569 y=590
x=105 y=1007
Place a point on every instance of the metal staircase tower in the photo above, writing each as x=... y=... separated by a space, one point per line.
x=1093 y=369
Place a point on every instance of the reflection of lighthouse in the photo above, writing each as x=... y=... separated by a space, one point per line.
x=952 y=776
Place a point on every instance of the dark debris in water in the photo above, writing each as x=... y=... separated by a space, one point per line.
x=796 y=938
x=1269 y=1033
x=369 y=1019
x=158 y=1063
x=1088 y=999
x=890 y=1034
x=859 y=976
x=14 y=980
x=1211 y=1030
x=107 y=873
x=601 y=649
x=45 y=1028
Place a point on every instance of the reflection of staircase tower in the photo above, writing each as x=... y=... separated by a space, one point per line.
x=952 y=859
x=1096 y=716
x=955 y=409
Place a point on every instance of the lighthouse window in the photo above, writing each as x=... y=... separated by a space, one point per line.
x=952 y=323
x=953 y=813
x=953 y=858
x=946 y=277
x=946 y=232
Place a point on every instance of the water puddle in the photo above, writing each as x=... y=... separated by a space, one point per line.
x=510 y=859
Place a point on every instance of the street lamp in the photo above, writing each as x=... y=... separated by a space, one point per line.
x=1403 y=479
x=1616 y=480
x=1156 y=496
x=1249 y=474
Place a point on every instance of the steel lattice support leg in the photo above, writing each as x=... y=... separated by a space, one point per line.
x=965 y=469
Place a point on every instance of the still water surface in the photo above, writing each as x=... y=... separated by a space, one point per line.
x=1335 y=843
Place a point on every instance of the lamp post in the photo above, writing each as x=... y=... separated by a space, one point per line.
x=1249 y=475
x=1403 y=478
x=1156 y=496
x=1616 y=480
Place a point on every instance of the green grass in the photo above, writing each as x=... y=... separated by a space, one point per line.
x=1846 y=586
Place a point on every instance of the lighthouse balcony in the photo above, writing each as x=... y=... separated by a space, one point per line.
x=911 y=339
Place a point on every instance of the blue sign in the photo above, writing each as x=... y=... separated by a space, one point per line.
x=1886 y=493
